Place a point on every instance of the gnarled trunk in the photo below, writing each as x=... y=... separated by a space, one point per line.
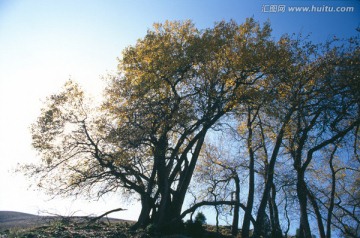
x=144 y=217
x=171 y=201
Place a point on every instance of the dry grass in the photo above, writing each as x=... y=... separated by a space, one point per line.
x=13 y=224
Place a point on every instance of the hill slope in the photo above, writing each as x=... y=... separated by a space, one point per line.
x=12 y=219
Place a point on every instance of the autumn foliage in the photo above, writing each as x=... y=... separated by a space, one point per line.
x=288 y=107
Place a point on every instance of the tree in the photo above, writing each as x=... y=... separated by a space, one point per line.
x=327 y=112
x=178 y=85
x=319 y=109
x=173 y=86
x=217 y=180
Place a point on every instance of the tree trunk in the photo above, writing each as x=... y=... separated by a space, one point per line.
x=332 y=196
x=144 y=217
x=249 y=205
x=217 y=219
x=274 y=215
x=250 y=201
x=260 y=218
x=302 y=196
x=235 y=223
x=163 y=182
x=317 y=214
x=286 y=214
x=171 y=204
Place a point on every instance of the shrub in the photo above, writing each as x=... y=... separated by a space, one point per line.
x=200 y=218
x=195 y=228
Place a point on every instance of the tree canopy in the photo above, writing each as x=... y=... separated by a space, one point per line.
x=290 y=100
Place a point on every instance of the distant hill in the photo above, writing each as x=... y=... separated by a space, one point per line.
x=8 y=216
x=12 y=219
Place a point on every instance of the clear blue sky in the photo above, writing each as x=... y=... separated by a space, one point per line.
x=43 y=43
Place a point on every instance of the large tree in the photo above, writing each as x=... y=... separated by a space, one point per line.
x=173 y=86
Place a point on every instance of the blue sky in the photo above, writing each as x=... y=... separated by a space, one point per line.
x=43 y=43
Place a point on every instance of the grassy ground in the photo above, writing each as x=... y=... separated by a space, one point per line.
x=22 y=225
x=72 y=229
x=101 y=229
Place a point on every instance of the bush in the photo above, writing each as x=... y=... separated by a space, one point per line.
x=195 y=228
x=200 y=218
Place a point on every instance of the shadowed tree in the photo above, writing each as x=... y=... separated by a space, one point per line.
x=321 y=108
x=173 y=86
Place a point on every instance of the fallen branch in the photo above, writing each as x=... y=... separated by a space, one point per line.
x=105 y=214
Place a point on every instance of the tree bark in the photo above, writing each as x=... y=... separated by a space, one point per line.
x=305 y=231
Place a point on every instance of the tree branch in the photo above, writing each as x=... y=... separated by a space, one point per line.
x=105 y=214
